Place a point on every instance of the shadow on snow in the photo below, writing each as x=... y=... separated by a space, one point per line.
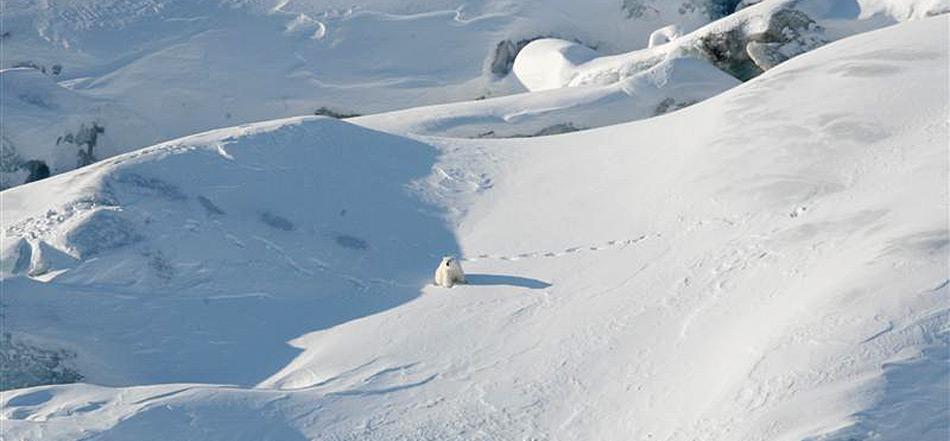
x=312 y=226
x=505 y=280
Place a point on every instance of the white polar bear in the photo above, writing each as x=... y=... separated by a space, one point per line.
x=449 y=272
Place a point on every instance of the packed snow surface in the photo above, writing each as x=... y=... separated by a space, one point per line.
x=769 y=264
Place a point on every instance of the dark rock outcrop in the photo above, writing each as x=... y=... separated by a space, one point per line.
x=745 y=54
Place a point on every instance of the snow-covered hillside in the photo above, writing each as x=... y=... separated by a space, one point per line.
x=188 y=66
x=768 y=264
x=60 y=128
x=152 y=70
x=575 y=88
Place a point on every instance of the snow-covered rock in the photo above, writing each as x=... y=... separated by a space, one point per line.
x=664 y=35
x=744 y=44
x=549 y=63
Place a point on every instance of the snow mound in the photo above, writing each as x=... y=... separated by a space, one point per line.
x=549 y=63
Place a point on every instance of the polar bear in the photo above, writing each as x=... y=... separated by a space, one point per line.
x=449 y=272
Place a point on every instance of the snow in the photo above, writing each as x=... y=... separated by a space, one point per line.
x=664 y=35
x=767 y=264
x=153 y=70
x=39 y=115
x=669 y=85
x=177 y=219
x=183 y=67
x=548 y=63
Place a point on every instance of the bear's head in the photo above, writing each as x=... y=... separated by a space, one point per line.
x=447 y=260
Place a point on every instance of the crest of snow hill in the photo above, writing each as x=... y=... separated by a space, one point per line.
x=118 y=221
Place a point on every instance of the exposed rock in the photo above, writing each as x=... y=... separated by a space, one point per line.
x=786 y=25
x=505 y=53
x=670 y=105
x=86 y=139
x=745 y=55
x=727 y=51
x=37 y=170
x=11 y=165
x=556 y=129
x=639 y=9
x=746 y=3
x=26 y=365
x=325 y=111
x=765 y=55
x=714 y=9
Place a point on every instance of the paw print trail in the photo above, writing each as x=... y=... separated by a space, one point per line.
x=621 y=243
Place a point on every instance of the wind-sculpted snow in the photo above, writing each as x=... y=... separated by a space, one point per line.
x=768 y=264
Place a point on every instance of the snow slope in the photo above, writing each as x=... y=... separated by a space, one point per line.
x=153 y=70
x=188 y=66
x=752 y=40
x=574 y=88
x=172 y=230
x=672 y=84
x=770 y=264
x=43 y=121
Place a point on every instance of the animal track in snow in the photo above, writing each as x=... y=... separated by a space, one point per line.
x=545 y=254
